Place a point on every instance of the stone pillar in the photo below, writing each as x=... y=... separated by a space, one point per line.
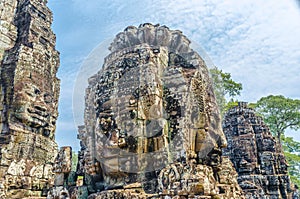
x=256 y=155
x=29 y=98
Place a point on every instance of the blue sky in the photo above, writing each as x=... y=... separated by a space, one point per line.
x=256 y=41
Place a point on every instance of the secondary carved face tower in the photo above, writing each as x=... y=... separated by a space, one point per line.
x=152 y=104
x=29 y=98
x=35 y=101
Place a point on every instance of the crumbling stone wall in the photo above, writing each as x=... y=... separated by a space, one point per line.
x=29 y=91
x=152 y=126
x=67 y=183
x=256 y=155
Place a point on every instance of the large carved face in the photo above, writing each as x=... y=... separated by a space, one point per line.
x=150 y=105
x=131 y=114
x=35 y=106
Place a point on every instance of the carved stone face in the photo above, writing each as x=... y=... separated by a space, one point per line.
x=152 y=109
x=35 y=107
x=151 y=104
x=132 y=114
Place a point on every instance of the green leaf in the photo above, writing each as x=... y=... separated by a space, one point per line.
x=224 y=87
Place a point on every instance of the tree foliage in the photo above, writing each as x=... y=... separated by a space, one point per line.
x=292 y=155
x=74 y=161
x=290 y=145
x=294 y=167
x=279 y=113
x=224 y=87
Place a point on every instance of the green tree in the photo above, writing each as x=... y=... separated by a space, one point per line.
x=292 y=154
x=279 y=113
x=224 y=87
x=74 y=161
x=290 y=145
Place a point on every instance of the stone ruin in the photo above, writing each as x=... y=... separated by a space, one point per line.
x=257 y=156
x=152 y=126
x=29 y=91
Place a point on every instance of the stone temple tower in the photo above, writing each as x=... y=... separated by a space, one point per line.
x=256 y=155
x=29 y=91
x=152 y=126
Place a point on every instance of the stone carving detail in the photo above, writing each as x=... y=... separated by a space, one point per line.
x=152 y=125
x=8 y=31
x=185 y=180
x=67 y=183
x=63 y=161
x=256 y=155
x=62 y=170
x=29 y=91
